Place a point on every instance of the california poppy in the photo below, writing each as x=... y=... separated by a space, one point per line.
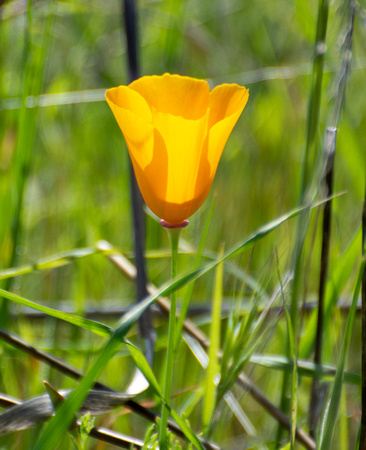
x=175 y=130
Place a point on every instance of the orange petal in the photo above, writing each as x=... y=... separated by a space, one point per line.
x=135 y=120
x=184 y=142
x=152 y=179
x=174 y=94
x=204 y=178
x=126 y=98
x=227 y=102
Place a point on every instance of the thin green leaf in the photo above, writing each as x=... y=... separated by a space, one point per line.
x=144 y=366
x=196 y=348
x=209 y=399
x=291 y=338
x=358 y=437
x=305 y=368
x=87 y=324
x=52 y=262
x=186 y=430
x=190 y=403
x=294 y=389
x=243 y=419
x=332 y=410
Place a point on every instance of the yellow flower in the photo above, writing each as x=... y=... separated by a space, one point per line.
x=175 y=130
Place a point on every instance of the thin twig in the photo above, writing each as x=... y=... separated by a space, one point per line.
x=111 y=437
x=363 y=364
x=102 y=434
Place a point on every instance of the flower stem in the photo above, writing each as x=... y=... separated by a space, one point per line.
x=174 y=234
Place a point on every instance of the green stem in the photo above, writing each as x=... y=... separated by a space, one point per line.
x=174 y=234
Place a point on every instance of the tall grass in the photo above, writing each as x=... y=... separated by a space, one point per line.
x=64 y=186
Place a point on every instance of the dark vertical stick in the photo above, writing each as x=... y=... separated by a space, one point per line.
x=130 y=23
x=315 y=402
x=363 y=316
x=330 y=147
x=145 y=321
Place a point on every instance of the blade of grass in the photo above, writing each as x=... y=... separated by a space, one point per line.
x=343 y=418
x=291 y=339
x=143 y=365
x=331 y=414
x=213 y=369
x=236 y=408
x=52 y=262
x=87 y=324
x=315 y=97
x=294 y=394
x=304 y=368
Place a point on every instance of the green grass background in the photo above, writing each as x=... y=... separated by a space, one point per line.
x=64 y=167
